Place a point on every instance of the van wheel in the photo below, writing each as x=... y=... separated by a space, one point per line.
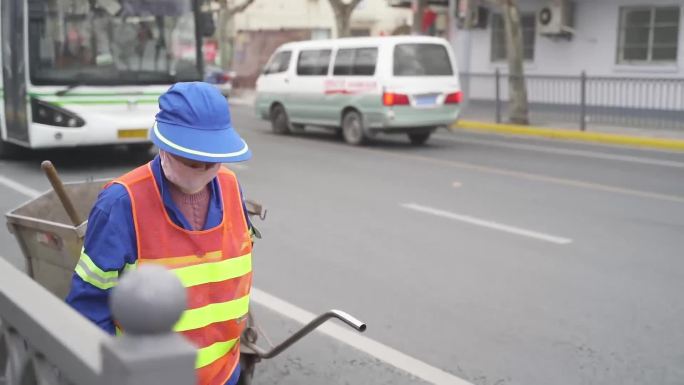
x=279 y=120
x=419 y=138
x=296 y=127
x=352 y=128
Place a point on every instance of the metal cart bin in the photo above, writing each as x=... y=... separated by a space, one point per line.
x=51 y=245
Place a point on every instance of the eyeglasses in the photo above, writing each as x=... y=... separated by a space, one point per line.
x=196 y=164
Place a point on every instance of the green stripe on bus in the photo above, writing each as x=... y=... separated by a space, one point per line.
x=112 y=101
x=77 y=94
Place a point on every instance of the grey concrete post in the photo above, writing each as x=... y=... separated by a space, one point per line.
x=147 y=303
x=497 y=87
x=583 y=101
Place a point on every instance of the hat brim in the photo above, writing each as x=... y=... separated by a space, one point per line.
x=215 y=146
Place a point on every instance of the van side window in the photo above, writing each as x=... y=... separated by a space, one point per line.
x=364 y=61
x=279 y=63
x=343 y=62
x=355 y=62
x=421 y=60
x=313 y=62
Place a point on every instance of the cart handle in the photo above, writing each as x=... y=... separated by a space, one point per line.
x=51 y=173
x=318 y=321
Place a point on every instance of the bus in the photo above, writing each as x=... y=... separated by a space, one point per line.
x=90 y=72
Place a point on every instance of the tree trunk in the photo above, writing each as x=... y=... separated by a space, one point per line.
x=225 y=38
x=342 y=12
x=225 y=30
x=342 y=20
x=418 y=7
x=518 y=110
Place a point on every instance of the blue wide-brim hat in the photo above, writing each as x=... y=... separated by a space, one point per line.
x=194 y=122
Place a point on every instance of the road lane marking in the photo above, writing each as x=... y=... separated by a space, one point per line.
x=535 y=177
x=488 y=224
x=18 y=187
x=371 y=347
x=519 y=174
x=570 y=152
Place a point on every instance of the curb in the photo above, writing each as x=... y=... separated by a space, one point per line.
x=240 y=102
x=581 y=136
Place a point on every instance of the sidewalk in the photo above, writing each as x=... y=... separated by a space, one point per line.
x=483 y=121
x=242 y=97
x=550 y=126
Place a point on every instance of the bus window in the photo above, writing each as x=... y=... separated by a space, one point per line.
x=112 y=42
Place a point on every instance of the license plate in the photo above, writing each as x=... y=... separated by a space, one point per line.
x=426 y=100
x=135 y=133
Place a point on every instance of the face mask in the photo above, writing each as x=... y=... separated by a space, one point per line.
x=189 y=180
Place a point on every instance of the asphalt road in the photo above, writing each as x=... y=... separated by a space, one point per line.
x=491 y=259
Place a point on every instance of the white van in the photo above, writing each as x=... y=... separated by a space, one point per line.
x=362 y=86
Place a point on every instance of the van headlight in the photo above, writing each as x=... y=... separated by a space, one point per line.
x=52 y=115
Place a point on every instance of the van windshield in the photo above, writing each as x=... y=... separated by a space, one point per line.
x=421 y=60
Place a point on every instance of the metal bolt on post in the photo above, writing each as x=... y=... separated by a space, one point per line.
x=147 y=302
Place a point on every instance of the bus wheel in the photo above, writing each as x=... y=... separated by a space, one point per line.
x=419 y=138
x=9 y=150
x=140 y=148
x=352 y=128
x=279 y=121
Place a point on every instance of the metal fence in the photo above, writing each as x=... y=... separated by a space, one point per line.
x=580 y=101
x=43 y=341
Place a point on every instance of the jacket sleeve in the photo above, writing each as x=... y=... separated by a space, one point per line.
x=109 y=249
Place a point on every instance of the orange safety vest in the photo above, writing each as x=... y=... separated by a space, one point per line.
x=214 y=265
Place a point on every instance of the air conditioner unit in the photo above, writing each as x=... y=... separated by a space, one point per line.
x=556 y=18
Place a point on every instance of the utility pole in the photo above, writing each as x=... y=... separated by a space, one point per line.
x=418 y=8
x=461 y=40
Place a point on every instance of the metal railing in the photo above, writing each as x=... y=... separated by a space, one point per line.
x=580 y=101
x=43 y=341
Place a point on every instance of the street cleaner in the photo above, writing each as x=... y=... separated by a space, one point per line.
x=184 y=211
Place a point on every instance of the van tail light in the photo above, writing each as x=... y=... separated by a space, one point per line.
x=392 y=99
x=454 y=98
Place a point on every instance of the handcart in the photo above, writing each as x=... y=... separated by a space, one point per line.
x=50 y=230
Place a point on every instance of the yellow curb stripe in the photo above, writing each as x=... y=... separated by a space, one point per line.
x=595 y=137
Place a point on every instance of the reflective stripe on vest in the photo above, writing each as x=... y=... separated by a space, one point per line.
x=214 y=265
x=89 y=272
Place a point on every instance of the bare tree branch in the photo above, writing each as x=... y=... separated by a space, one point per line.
x=343 y=13
x=237 y=9
x=339 y=4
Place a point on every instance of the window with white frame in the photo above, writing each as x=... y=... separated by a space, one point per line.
x=648 y=35
x=528 y=23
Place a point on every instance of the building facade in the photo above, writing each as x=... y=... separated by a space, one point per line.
x=614 y=63
x=628 y=38
x=266 y=24
x=370 y=18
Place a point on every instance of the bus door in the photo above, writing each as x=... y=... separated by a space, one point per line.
x=14 y=70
